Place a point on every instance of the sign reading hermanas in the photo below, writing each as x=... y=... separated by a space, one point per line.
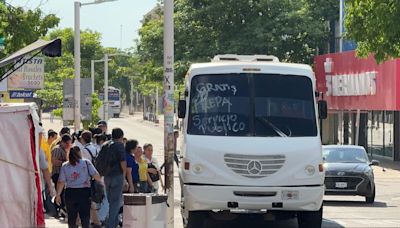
x=29 y=76
x=358 y=84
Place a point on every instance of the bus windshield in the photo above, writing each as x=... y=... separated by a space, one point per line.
x=265 y=105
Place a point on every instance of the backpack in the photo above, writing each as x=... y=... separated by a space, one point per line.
x=105 y=159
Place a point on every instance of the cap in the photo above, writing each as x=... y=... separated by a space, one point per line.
x=102 y=122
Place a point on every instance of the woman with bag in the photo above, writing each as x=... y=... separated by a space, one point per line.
x=76 y=176
x=153 y=168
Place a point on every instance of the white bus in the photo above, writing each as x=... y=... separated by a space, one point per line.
x=251 y=141
x=114 y=101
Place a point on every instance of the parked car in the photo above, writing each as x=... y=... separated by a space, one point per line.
x=349 y=171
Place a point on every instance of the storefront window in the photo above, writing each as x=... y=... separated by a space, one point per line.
x=380 y=133
x=389 y=133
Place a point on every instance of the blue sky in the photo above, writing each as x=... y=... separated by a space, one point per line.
x=105 y=18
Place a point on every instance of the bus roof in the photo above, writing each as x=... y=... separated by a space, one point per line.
x=225 y=67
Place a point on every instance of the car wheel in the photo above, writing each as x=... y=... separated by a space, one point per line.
x=307 y=219
x=196 y=219
x=370 y=199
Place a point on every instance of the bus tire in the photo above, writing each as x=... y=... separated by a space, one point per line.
x=196 y=219
x=308 y=219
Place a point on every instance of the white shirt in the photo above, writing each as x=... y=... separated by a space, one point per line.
x=93 y=150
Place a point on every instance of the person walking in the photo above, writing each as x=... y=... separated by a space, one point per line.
x=90 y=152
x=153 y=168
x=75 y=176
x=114 y=179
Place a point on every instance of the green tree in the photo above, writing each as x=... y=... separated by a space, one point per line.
x=293 y=31
x=373 y=24
x=21 y=27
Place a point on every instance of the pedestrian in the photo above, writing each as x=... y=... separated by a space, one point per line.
x=89 y=151
x=59 y=155
x=75 y=176
x=47 y=187
x=100 y=140
x=153 y=168
x=76 y=139
x=132 y=169
x=102 y=124
x=114 y=179
x=63 y=131
x=145 y=183
x=46 y=144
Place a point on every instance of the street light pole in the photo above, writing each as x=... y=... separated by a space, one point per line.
x=77 y=60
x=77 y=64
x=169 y=139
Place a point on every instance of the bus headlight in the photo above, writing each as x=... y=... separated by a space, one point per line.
x=310 y=170
x=197 y=169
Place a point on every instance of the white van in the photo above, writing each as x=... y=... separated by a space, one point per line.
x=251 y=141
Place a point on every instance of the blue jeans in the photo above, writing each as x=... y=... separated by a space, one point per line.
x=114 y=185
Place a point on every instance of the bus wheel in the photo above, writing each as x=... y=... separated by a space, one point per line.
x=307 y=219
x=196 y=219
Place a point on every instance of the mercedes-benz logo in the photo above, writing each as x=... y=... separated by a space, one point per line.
x=254 y=167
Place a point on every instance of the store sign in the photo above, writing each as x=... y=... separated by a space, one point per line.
x=15 y=94
x=29 y=76
x=359 y=84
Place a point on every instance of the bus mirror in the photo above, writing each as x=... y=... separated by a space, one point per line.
x=181 y=108
x=322 y=109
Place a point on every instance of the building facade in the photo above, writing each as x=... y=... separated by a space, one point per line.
x=363 y=100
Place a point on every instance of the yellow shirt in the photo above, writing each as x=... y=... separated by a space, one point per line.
x=46 y=149
x=142 y=169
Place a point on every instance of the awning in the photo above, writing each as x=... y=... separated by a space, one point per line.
x=50 y=48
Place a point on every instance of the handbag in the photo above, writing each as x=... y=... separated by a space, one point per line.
x=153 y=177
x=96 y=189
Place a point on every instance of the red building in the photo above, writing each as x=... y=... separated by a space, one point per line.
x=354 y=85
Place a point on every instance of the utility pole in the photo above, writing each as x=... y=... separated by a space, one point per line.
x=77 y=64
x=105 y=105
x=131 y=95
x=169 y=149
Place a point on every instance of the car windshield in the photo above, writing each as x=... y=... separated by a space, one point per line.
x=345 y=155
x=266 y=105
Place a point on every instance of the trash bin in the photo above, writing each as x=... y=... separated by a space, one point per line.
x=145 y=210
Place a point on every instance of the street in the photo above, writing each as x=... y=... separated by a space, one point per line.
x=338 y=211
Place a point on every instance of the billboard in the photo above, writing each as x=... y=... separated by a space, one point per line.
x=69 y=102
x=29 y=76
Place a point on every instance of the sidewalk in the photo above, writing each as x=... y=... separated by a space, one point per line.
x=387 y=164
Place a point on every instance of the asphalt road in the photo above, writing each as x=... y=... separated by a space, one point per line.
x=339 y=211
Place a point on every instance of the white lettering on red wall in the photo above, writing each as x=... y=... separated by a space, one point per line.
x=358 y=84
